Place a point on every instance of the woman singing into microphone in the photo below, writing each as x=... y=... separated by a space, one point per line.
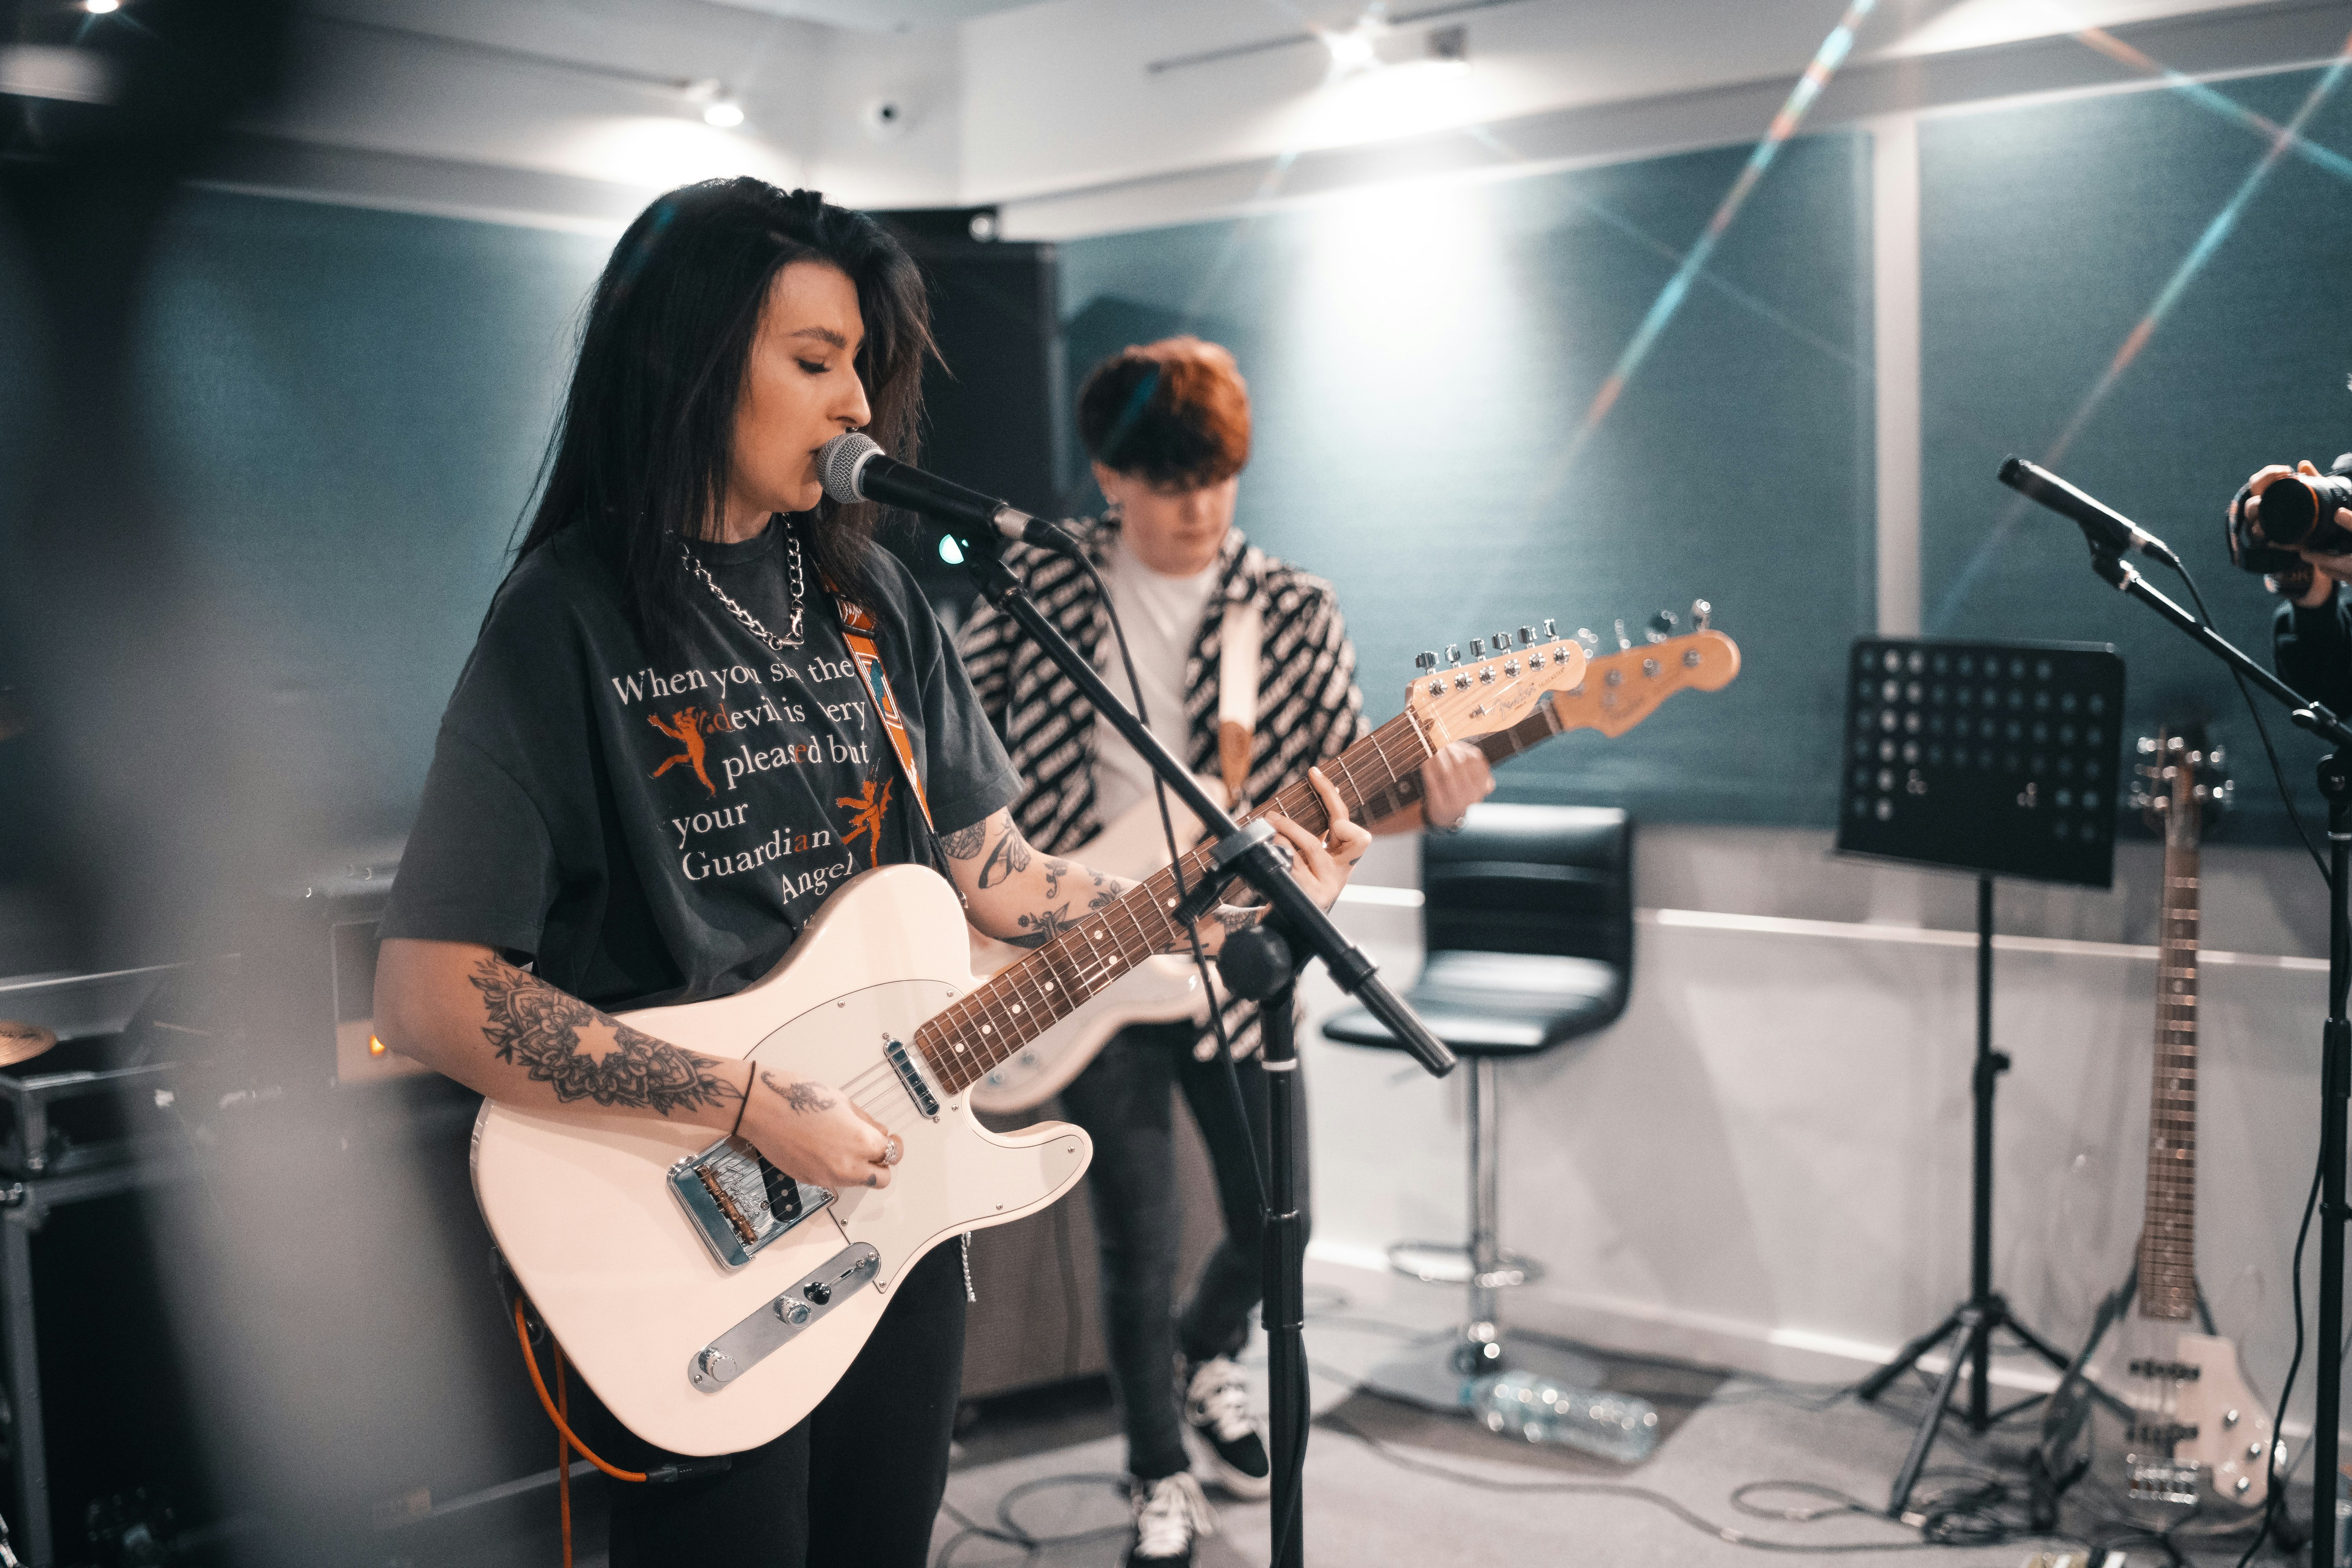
x=660 y=762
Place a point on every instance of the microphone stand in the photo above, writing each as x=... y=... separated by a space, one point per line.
x=2335 y=1035
x=1264 y=968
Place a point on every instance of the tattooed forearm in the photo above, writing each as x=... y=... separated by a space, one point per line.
x=964 y=842
x=538 y=1029
x=803 y=1097
x=1038 y=929
x=1007 y=860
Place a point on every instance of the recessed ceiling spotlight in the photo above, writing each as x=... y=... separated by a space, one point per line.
x=726 y=114
x=1351 y=50
x=101 y=7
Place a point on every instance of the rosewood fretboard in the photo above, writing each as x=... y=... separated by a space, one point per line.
x=2167 y=1241
x=963 y=1043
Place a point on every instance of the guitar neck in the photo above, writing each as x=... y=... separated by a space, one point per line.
x=1499 y=747
x=1088 y=954
x=2167 y=1245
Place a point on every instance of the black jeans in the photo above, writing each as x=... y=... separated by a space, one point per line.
x=1124 y=1101
x=857 y=1485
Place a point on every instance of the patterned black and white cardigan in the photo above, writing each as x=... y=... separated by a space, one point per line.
x=1310 y=709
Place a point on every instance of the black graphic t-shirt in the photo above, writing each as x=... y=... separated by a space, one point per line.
x=652 y=834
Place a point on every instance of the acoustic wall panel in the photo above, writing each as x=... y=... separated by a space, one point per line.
x=348 y=408
x=2110 y=287
x=1425 y=363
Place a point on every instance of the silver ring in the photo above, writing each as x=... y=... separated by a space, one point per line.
x=892 y=1148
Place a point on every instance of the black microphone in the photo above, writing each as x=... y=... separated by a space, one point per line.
x=855 y=468
x=2102 y=524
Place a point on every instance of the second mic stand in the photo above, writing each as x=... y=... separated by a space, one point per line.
x=2336 y=1037
x=1250 y=854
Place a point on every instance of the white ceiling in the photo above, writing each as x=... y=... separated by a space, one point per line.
x=879 y=16
x=994 y=99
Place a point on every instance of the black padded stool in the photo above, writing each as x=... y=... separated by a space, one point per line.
x=1528 y=918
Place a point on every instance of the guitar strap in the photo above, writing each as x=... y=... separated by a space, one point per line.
x=1239 y=643
x=857 y=627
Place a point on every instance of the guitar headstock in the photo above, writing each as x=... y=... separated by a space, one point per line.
x=1457 y=702
x=2181 y=778
x=1621 y=688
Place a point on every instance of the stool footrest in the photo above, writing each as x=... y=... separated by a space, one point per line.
x=1443 y=1263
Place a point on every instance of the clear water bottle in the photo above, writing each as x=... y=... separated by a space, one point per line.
x=1543 y=1410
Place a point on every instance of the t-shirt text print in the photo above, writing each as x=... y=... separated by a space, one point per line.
x=774 y=770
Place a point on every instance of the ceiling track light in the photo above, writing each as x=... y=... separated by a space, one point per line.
x=726 y=114
x=101 y=7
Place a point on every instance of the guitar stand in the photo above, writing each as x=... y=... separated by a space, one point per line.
x=1986 y=1312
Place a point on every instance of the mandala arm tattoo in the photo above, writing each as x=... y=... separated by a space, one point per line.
x=964 y=843
x=532 y=1025
x=806 y=1097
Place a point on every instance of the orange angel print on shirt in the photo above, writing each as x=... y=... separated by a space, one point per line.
x=866 y=810
x=686 y=728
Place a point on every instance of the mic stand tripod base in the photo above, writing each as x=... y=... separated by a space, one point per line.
x=1971 y=1328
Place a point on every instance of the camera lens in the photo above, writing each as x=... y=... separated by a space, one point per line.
x=2299 y=510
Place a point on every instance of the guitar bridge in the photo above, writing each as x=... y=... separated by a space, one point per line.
x=738 y=1202
x=2167 y=1482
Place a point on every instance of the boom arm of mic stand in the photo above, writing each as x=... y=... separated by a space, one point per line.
x=1355 y=973
x=2312 y=715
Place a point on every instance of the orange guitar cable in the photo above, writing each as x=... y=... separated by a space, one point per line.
x=562 y=1427
x=562 y=1453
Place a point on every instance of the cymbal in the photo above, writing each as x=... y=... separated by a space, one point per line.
x=21 y=1042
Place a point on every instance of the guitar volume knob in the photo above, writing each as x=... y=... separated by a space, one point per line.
x=717 y=1365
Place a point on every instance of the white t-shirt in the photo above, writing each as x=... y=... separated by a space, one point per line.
x=1162 y=617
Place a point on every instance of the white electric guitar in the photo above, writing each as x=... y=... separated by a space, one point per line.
x=1619 y=690
x=2158 y=1414
x=711 y=1299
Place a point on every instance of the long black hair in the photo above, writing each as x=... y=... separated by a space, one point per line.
x=639 y=456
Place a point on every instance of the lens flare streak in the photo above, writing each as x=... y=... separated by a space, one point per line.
x=1826 y=63
x=2283 y=140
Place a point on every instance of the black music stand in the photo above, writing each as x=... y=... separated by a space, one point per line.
x=2002 y=759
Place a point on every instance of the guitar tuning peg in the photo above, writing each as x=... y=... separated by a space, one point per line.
x=1551 y=631
x=1661 y=626
x=1453 y=653
x=1477 y=648
x=1424 y=662
x=1502 y=642
x=1527 y=637
x=1589 y=637
x=1625 y=643
x=1700 y=611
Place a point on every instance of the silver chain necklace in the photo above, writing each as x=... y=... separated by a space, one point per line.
x=751 y=621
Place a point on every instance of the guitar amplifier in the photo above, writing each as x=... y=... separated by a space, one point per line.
x=346 y=906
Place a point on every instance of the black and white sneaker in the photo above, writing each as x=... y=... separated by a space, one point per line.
x=1170 y=1515
x=1225 y=1438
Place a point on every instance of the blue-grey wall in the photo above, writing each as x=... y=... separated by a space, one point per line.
x=2049 y=234
x=348 y=410
x=1420 y=365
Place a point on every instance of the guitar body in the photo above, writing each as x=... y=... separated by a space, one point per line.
x=581 y=1204
x=2171 y=1423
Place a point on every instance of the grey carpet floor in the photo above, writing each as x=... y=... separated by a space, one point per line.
x=1390 y=1485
